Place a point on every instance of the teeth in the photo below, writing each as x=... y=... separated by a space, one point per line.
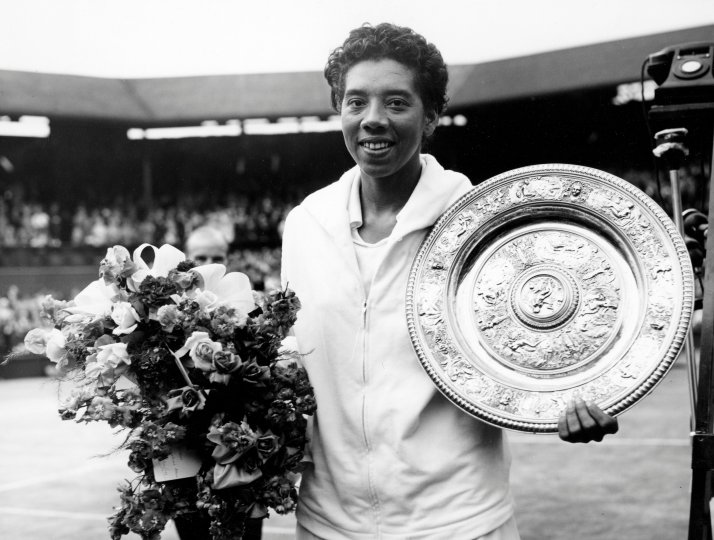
x=376 y=145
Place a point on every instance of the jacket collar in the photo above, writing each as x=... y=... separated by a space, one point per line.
x=436 y=189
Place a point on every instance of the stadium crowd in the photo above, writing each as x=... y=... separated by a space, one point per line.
x=243 y=220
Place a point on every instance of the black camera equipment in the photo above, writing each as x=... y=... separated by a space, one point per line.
x=685 y=78
x=683 y=115
x=696 y=227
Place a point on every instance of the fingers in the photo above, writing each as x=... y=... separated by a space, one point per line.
x=563 y=431
x=607 y=423
x=582 y=422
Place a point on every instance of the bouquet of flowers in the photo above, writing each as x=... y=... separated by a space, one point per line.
x=213 y=396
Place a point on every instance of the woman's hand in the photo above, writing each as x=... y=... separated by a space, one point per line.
x=582 y=422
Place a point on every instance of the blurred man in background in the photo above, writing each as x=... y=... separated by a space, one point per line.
x=206 y=245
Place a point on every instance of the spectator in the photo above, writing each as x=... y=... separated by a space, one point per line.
x=207 y=245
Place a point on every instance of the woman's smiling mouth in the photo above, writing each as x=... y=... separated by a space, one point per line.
x=376 y=145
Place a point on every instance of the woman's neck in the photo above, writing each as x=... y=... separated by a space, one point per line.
x=381 y=200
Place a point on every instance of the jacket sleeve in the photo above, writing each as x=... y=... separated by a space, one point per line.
x=289 y=247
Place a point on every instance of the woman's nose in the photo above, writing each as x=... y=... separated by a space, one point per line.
x=374 y=116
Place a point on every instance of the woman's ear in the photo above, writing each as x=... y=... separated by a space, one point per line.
x=432 y=120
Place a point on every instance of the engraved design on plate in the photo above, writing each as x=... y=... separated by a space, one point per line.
x=547 y=301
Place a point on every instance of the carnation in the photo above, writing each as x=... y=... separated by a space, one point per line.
x=168 y=317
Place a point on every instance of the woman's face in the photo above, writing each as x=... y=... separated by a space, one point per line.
x=383 y=118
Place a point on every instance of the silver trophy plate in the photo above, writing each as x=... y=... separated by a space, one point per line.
x=546 y=283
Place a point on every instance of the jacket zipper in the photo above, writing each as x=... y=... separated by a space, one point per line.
x=367 y=443
x=364 y=374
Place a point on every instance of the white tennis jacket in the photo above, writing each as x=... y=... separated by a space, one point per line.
x=392 y=458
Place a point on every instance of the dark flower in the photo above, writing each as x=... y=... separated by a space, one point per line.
x=306 y=404
x=185 y=266
x=255 y=375
x=226 y=362
x=190 y=398
x=280 y=310
x=280 y=493
x=186 y=399
x=155 y=292
x=184 y=280
x=280 y=412
x=267 y=444
x=232 y=440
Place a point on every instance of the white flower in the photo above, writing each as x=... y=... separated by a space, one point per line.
x=200 y=348
x=166 y=258
x=232 y=289
x=93 y=370
x=48 y=341
x=113 y=355
x=94 y=300
x=126 y=318
x=56 y=351
x=36 y=340
x=205 y=299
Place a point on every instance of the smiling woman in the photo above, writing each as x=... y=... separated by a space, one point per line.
x=386 y=448
x=348 y=248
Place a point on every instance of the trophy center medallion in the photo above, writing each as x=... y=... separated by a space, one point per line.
x=544 y=297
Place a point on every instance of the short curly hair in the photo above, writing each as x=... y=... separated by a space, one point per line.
x=399 y=43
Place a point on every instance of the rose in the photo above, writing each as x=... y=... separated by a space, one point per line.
x=226 y=361
x=107 y=364
x=169 y=316
x=267 y=444
x=203 y=354
x=254 y=374
x=187 y=399
x=200 y=348
x=190 y=398
x=126 y=318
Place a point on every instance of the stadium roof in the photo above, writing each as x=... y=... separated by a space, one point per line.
x=188 y=100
